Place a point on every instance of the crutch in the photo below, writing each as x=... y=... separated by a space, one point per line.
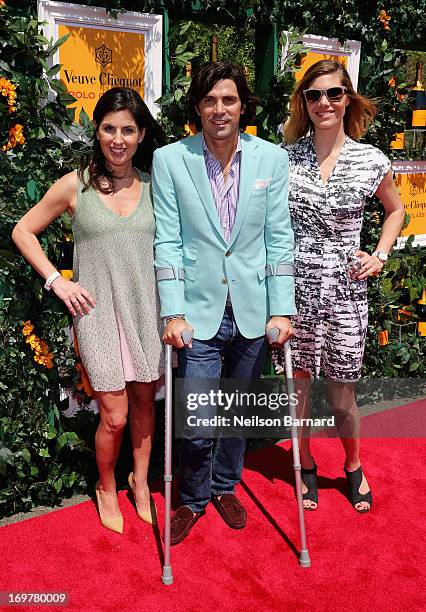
x=304 y=559
x=167 y=568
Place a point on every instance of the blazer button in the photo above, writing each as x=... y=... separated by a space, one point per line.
x=224 y=281
x=227 y=254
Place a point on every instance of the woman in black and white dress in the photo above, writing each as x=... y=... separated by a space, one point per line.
x=331 y=175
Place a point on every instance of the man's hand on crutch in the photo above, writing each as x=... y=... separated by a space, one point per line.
x=278 y=331
x=173 y=333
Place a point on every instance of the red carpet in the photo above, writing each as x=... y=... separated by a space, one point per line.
x=365 y=562
x=408 y=421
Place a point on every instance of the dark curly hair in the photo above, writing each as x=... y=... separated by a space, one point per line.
x=206 y=78
x=118 y=99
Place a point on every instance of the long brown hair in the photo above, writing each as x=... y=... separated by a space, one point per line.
x=359 y=113
x=99 y=175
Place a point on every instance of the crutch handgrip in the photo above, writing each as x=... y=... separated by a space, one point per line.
x=187 y=335
x=273 y=333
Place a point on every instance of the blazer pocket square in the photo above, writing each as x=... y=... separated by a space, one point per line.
x=262 y=183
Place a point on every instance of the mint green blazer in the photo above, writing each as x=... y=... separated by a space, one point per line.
x=195 y=266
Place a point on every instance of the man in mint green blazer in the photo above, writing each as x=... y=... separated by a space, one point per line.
x=224 y=265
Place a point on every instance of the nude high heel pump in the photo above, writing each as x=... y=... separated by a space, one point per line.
x=149 y=516
x=115 y=523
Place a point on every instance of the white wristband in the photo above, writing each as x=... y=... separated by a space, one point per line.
x=50 y=279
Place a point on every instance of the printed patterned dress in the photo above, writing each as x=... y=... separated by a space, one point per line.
x=119 y=340
x=332 y=312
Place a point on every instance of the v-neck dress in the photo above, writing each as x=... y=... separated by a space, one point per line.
x=332 y=311
x=119 y=340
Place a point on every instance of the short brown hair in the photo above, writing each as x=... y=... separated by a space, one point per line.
x=206 y=78
x=359 y=113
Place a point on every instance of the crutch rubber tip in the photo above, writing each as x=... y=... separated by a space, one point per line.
x=304 y=560
x=167 y=576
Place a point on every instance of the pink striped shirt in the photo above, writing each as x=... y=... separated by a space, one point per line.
x=225 y=194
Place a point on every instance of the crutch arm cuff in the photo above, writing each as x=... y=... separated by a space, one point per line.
x=169 y=273
x=280 y=269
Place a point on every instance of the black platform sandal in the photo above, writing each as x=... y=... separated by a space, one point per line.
x=355 y=497
x=309 y=478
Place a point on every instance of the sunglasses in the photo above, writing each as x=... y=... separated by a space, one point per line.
x=333 y=94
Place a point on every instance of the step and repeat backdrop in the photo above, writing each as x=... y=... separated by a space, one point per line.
x=103 y=51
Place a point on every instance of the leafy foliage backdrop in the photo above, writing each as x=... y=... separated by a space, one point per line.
x=44 y=456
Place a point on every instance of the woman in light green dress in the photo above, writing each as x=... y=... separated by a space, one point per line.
x=113 y=296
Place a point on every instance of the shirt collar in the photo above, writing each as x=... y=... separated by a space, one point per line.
x=208 y=153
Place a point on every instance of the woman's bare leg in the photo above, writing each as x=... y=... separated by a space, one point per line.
x=302 y=386
x=142 y=422
x=113 y=407
x=341 y=397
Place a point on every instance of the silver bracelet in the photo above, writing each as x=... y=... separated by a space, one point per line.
x=171 y=317
x=381 y=256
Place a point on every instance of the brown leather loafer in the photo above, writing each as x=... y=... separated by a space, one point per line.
x=182 y=522
x=231 y=510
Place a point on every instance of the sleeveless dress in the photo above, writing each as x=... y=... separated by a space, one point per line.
x=119 y=340
x=332 y=311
